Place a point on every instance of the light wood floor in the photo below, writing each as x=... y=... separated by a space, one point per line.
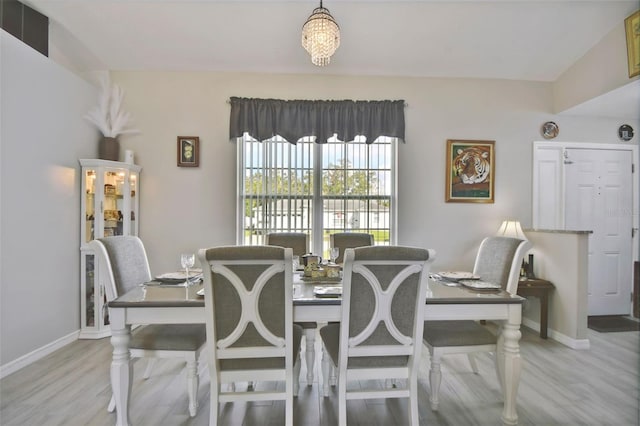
x=559 y=386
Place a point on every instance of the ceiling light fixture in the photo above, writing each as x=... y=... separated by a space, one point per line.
x=321 y=36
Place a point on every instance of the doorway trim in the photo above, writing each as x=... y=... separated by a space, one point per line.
x=548 y=196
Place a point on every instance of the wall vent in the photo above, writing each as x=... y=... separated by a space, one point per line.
x=25 y=24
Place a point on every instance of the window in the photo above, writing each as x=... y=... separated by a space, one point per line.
x=316 y=188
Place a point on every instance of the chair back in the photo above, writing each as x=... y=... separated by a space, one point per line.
x=345 y=240
x=383 y=299
x=297 y=241
x=499 y=260
x=123 y=262
x=248 y=305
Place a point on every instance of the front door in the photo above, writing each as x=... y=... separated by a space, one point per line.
x=598 y=197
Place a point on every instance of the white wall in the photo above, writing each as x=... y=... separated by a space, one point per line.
x=190 y=208
x=42 y=136
x=600 y=71
x=562 y=258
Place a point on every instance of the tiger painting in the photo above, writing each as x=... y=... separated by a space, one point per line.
x=472 y=165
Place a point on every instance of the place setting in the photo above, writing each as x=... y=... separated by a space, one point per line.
x=183 y=278
x=465 y=279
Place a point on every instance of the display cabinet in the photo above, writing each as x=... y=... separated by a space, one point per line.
x=109 y=204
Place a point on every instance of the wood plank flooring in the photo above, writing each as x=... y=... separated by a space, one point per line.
x=559 y=386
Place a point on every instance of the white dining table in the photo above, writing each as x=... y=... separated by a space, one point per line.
x=180 y=305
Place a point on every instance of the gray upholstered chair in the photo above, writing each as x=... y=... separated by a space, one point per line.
x=124 y=264
x=299 y=243
x=249 y=319
x=345 y=240
x=498 y=260
x=383 y=300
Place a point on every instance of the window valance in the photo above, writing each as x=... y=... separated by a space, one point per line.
x=295 y=119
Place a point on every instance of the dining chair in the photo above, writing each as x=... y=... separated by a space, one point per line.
x=299 y=243
x=383 y=300
x=248 y=297
x=345 y=240
x=498 y=260
x=124 y=264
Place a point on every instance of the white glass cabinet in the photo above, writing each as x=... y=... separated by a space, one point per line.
x=109 y=203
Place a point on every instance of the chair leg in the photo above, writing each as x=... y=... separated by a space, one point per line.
x=147 y=371
x=499 y=359
x=472 y=362
x=214 y=395
x=310 y=352
x=435 y=377
x=342 y=399
x=296 y=375
x=192 y=386
x=288 y=403
x=333 y=379
x=414 y=418
x=326 y=371
x=112 y=404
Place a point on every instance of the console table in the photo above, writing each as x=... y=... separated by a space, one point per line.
x=538 y=288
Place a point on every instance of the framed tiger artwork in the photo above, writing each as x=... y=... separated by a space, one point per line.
x=470 y=171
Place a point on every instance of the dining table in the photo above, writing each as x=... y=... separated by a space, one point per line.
x=179 y=304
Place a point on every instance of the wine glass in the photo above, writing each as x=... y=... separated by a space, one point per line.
x=187 y=260
x=333 y=255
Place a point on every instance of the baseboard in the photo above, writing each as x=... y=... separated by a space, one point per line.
x=31 y=357
x=531 y=324
x=578 y=344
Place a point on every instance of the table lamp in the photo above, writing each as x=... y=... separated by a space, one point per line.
x=512 y=228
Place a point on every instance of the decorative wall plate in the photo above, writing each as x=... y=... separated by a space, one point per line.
x=625 y=132
x=550 y=130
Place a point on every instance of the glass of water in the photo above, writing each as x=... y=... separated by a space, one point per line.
x=187 y=260
x=333 y=255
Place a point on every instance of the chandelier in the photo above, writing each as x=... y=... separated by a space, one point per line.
x=321 y=36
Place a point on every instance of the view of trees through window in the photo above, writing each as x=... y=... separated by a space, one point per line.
x=314 y=188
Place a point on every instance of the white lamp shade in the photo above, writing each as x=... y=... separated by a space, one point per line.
x=511 y=228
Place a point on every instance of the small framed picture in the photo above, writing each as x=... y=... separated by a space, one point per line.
x=188 y=151
x=632 y=31
x=470 y=171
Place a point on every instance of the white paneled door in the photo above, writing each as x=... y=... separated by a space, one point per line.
x=598 y=197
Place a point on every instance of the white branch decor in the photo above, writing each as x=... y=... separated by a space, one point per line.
x=108 y=116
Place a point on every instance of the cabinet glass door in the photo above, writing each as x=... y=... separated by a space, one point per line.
x=113 y=202
x=110 y=207
x=89 y=179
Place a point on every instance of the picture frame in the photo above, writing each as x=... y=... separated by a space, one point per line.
x=188 y=151
x=470 y=171
x=632 y=31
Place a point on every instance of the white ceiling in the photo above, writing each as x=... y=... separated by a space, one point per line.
x=505 y=39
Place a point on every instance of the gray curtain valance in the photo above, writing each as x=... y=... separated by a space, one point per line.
x=292 y=120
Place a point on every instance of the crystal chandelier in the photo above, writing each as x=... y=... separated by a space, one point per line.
x=321 y=36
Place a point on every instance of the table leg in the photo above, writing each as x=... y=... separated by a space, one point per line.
x=544 y=313
x=121 y=367
x=508 y=363
x=310 y=352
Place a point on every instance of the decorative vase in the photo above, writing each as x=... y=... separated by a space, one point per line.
x=109 y=149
